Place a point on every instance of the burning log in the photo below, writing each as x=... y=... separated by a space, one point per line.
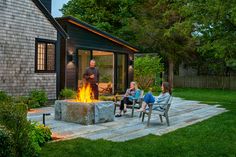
x=85 y=94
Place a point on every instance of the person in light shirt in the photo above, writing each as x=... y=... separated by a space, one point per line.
x=132 y=93
x=160 y=102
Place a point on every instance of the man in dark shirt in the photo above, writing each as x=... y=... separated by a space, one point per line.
x=91 y=75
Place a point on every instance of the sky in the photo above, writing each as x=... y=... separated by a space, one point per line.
x=56 y=5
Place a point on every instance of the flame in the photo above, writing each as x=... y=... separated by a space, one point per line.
x=85 y=94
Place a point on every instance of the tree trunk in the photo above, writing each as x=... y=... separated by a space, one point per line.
x=171 y=72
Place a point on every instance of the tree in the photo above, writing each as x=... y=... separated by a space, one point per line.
x=169 y=27
x=215 y=29
x=146 y=70
x=108 y=15
x=163 y=27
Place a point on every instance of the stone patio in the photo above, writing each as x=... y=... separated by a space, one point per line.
x=182 y=113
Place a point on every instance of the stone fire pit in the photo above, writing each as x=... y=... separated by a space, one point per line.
x=84 y=113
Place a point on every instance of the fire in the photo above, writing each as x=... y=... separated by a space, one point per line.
x=85 y=94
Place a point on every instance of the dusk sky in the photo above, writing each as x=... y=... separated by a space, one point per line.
x=56 y=5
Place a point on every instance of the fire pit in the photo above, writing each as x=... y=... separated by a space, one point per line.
x=84 y=110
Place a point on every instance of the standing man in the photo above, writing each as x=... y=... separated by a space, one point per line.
x=91 y=75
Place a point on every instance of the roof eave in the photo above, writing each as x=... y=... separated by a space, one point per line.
x=99 y=32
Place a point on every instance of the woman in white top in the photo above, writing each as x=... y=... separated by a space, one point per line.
x=161 y=100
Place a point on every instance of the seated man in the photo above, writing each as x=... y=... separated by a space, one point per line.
x=132 y=93
x=161 y=100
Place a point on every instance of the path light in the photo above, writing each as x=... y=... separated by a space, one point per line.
x=45 y=114
x=131 y=61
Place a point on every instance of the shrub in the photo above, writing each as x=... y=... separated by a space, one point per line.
x=68 y=93
x=42 y=133
x=155 y=88
x=39 y=135
x=147 y=70
x=107 y=98
x=14 y=117
x=19 y=136
x=4 y=96
x=6 y=143
x=38 y=96
x=21 y=99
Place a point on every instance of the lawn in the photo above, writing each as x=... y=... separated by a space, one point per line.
x=214 y=137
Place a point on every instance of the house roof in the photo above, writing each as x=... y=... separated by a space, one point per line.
x=94 y=30
x=39 y=4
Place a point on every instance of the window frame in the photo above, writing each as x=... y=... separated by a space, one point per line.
x=46 y=41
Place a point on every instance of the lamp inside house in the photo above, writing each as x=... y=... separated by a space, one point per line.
x=69 y=57
x=131 y=61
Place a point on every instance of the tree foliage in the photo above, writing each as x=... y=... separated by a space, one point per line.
x=162 y=27
x=108 y=15
x=198 y=31
x=146 y=71
x=215 y=29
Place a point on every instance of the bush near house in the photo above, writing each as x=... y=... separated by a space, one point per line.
x=4 y=96
x=21 y=137
x=36 y=98
x=39 y=135
x=67 y=93
x=106 y=98
x=13 y=117
x=6 y=142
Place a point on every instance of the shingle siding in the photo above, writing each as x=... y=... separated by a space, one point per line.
x=20 y=23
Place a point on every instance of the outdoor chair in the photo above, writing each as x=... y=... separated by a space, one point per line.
x=107 y=89
x=137 y=103
x=163 y=113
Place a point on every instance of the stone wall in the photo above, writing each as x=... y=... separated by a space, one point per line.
x=22 y=22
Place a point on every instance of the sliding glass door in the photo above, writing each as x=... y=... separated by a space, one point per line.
x=111 y=75
x=121 y=74
x=105 y=63
x=83 y=62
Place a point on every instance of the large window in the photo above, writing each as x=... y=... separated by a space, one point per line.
x=45 y=56
x=121 y=72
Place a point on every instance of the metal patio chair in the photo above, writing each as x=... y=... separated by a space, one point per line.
x=137 y=103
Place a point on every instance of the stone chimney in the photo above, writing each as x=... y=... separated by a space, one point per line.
x=47 y=4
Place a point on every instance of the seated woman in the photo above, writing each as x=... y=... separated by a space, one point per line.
x=161 y=100
x=132 y=93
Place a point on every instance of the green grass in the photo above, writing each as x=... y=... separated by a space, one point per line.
x=215 y=137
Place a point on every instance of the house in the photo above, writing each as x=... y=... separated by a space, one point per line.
x=29 y=47
x=86 y=42
x=39 y=52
